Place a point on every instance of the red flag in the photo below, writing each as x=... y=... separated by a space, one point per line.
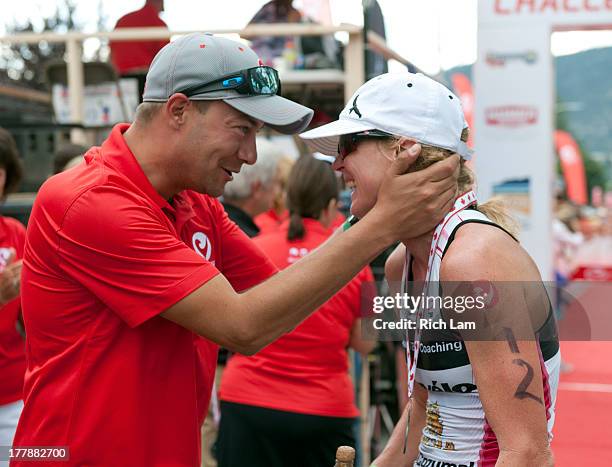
x=572 y=167
x=463 y=89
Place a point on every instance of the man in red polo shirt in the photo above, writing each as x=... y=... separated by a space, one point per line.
x=129 y=261
x=132 y=58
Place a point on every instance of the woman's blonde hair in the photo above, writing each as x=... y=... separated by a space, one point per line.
x=495 y=209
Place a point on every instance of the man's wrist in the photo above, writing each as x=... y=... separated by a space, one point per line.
x=376 y=227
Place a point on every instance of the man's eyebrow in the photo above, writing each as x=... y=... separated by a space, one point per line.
x=256 y=123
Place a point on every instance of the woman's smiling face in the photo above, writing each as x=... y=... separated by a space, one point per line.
x=363 y=171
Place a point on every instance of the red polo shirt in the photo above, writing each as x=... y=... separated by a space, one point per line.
x=105 y=254
x=305 y=371
x=270 y=221
x=136 y=56
x=12 y=345
x=203 y=224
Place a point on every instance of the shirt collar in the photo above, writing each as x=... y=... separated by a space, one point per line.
x=242 y=219
x=118 y=155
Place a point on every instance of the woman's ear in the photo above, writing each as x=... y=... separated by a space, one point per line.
x=329 y=213
x=404 y=144
x=332 y=207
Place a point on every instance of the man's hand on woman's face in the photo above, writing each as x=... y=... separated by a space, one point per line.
x=411 y=204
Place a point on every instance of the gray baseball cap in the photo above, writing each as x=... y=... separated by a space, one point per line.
x=200 y=58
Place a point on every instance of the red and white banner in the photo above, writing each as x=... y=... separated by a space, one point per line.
x=592 y=273
x=514 y=107
x=562 y=14
x=572 y=167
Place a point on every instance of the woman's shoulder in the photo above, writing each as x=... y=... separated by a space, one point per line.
x=13 y=227
x=394 y=265
x=483 y=251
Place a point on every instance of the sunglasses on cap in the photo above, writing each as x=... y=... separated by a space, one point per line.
x=348 y=143
x=256 y=81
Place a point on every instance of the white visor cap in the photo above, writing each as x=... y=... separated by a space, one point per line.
x=403 y=104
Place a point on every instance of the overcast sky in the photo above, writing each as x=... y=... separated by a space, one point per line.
x=433 y=34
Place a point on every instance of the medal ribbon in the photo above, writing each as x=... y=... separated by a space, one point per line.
x=462 y=202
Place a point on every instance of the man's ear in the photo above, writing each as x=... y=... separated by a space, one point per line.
x=176 y=108
x=255 y=188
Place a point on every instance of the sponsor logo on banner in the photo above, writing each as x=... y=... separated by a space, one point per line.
x=518 y=7
x=592 y=273
x=500 y=59
x=511 y=116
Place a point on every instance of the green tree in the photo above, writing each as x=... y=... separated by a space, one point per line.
x=25 y=64
x=594 y=171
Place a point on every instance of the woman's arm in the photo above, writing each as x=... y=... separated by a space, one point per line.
x=363 y=346
x=393 y=455
x=394 y=269
x=507 y=370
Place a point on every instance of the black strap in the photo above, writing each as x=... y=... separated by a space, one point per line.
x=477 y=221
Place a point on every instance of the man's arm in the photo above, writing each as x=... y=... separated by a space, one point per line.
x=249 y=321
x=408 y=205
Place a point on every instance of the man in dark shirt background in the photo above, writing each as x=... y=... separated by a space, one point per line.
x=254 y=188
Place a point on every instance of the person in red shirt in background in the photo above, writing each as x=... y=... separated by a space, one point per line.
x=295 y=399
x=271 y=220
x=12 y=344
x=132 y=58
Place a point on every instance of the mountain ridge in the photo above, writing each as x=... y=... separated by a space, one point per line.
x=583 y=95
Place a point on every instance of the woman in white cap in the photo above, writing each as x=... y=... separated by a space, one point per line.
x=484 y=397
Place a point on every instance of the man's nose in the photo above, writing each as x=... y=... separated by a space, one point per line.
x=248 y=151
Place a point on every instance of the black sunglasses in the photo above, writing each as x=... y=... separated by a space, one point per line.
x=256 y=81
x=348 y=143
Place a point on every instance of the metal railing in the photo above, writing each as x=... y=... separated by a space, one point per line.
x=354 y=72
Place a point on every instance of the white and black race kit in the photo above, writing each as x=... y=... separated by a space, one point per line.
x=456 y=432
